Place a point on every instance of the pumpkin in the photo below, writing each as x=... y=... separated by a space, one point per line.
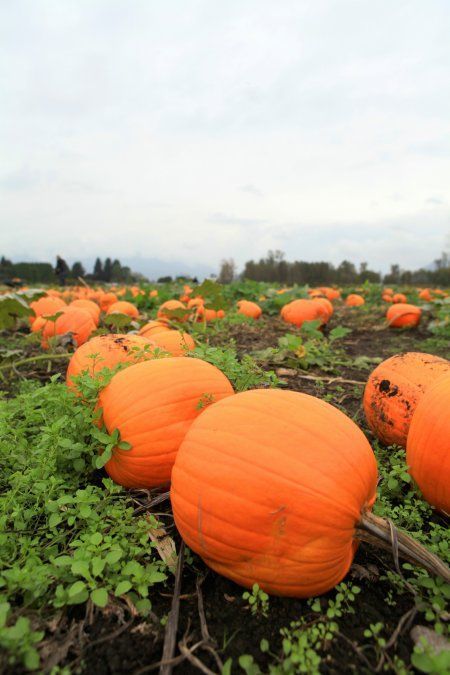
x=106 y=351
x=325 y=308
x=195 y=302
x=299 y=311
x=330 y=293
x=174 y=341
x=153 y=293
x=428 y=445
x=250 y=309
x=403 y=316
x=425 y=294
x=153 y=404
x=354 y=300
x=106 y=300
x=73 y=320
x=169 y=306
x=88 y=305
x=394 y=389
x=264 y=494
x=205 y=314
x=48 y=305
x=152 y=327
x=399 y=297
x=123 y=307
x=386 y=297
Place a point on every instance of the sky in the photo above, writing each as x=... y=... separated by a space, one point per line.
x=194 y=130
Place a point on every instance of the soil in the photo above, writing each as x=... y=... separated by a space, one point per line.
x=102 y=642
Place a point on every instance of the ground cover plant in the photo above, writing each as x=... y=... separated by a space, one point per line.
x=94 y=577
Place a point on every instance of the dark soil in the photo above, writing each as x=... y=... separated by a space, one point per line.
x=106 y=643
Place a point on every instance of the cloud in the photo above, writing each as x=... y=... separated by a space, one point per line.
x=147 y=130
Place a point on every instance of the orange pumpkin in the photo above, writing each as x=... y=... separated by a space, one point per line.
x=174 y=341
x=153 y=327
x=299 y=311
x=167 y=307
x=330 y=293
x=123 y=307
x=399 y=297
x=153 y=404
x=250 y=309
x=403 y=316
x=428 y=445
x=425 y=294
x=73 y=320
x=88 y=305
x=354 y=300
x=106 y=351
x=325 y=308
x=395 y=388
x=386 y=297
x=205 y=314
x=258 y=493
x=106 y=300
x=48 y=305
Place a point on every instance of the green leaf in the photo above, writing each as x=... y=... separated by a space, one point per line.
x=113 y=557
x=76 y=588
x=99 y=597
x=122 y=587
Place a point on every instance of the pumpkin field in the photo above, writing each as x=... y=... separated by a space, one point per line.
x=237 y=478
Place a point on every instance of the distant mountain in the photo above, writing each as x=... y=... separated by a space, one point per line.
x=153 y=268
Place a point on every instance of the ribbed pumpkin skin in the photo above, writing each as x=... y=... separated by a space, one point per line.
x=153 y=327
x=153 y=405
x=394 y=389
x=47 y=305
x=428 y=445
x=111 y=349
x=89 y=306
x=267 y=488
x=403 y=316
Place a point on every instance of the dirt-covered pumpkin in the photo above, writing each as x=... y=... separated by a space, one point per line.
x=428 y=445
x=153 y=404
x=268 y=487
x=250 y=309
x=402 y=315
x=106 y=351
x=395 y=388
x=124 y=307
x=299 y=311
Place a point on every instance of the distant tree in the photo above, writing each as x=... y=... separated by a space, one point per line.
x=227 y=271
x=164 y=280
x=77 y=270
x=98 y=270
x=107 y=270
x=4 y=262
x=116 y=271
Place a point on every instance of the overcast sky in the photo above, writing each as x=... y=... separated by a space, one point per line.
x=197 y=130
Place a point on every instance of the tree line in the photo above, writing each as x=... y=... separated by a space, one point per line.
x=109 y=271
x=274 y=268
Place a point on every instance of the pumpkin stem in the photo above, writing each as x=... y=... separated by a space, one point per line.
x=382 y=533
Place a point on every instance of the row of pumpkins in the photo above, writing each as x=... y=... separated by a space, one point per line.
x=53 y=316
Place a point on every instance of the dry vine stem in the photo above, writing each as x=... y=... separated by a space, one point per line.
x=379 y=532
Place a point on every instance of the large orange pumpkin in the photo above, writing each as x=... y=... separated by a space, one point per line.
x=402 y=315
x=299 y=311
x=153 y=404
x=428 y=445
x=174 y=341
x=395 y=388
x=73 y=320
x=268 y=487
x=123 y=307
x=325 y=308
x=106 y=351
x=106 y=300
